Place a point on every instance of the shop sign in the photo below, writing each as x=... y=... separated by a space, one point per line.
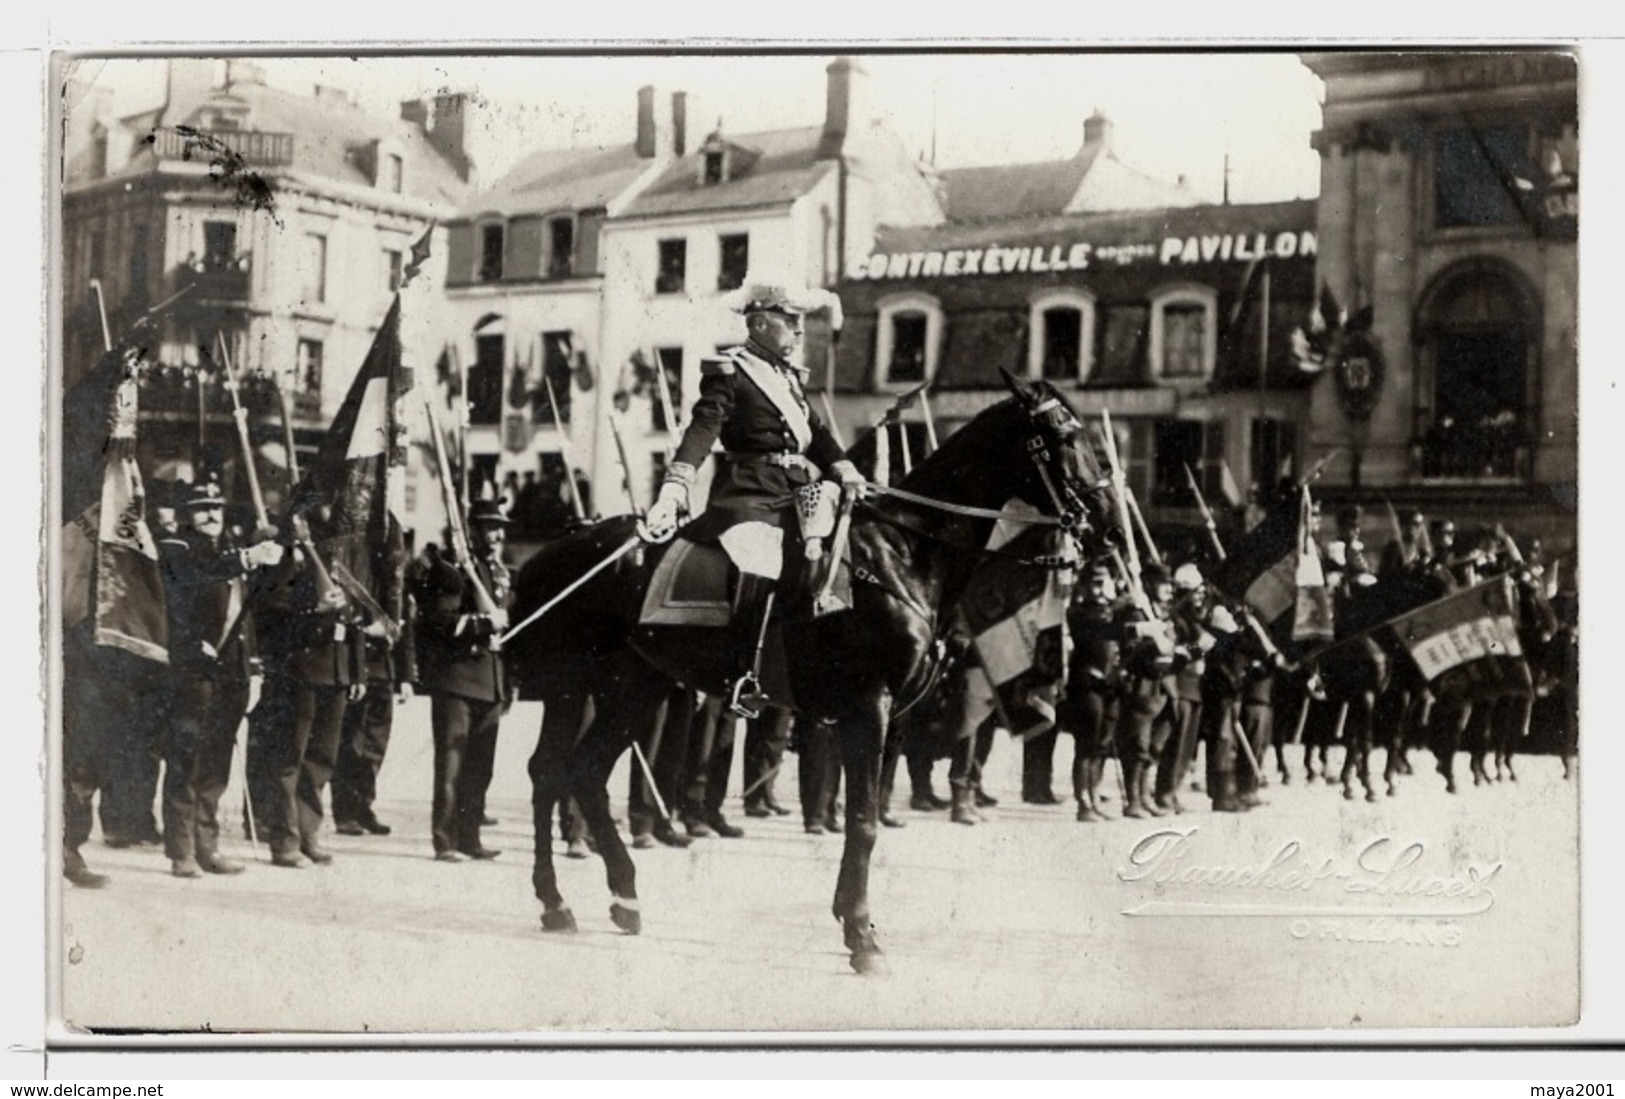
x=1171 y=251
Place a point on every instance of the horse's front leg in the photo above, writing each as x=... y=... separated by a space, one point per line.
x=863 y=738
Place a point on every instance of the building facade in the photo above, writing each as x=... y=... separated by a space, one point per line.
x=1153 y=316
x=261 y=229
x=1449 y=210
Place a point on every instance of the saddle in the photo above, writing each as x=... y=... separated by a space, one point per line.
x=693 y=585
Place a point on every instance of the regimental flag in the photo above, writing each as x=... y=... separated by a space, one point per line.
x=1016 y=611
x=1276 y=571
x=1467 y=642
x=110 y=567
x=360 y=472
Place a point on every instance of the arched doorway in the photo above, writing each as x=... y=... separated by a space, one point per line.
x=1478 y=332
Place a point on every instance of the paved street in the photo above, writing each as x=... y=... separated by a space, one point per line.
x=1020 y=922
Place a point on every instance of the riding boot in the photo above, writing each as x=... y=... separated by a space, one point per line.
x=753 y=605
x=1097 y=773
x=964 y=807
x=1147 y=802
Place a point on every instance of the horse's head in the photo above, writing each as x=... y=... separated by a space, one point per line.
x=1071 y=480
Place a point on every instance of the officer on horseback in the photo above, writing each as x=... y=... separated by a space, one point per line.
x=775 y=448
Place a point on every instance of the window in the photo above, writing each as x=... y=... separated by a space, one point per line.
x=1180 y=444
x=485 y=379
x=558 y=355
x=670 y=361
x=491 y=239
x=308 y=369
x=910 y=334
x=561 y=251
x=1274 y=454
x=714 y=172
x=1476 y=176
x=735 y=248
x=673 y=270
x=1061 y=345
x=1183 y=334
x=392 y=269
x=140 y=251
x=315 y=288
x=389 y=173
x=219 y=245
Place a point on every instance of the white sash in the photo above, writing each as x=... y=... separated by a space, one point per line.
x=776 y=387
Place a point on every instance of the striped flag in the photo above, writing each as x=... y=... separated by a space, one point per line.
x=1467 y=641
x=1276 y=571
x=360 y=472
x=1015 y=611
x=110 y=564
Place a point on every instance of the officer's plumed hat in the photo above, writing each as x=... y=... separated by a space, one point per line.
x=785 y=296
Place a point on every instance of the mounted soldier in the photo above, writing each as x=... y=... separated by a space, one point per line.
x=776 y=452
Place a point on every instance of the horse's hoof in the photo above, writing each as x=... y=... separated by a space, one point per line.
x=1371 y=795
x=1450 y=786
x=1392 y=789
x=869 y=963
x=559 y=919
x=628 y=920
x=1348 y=793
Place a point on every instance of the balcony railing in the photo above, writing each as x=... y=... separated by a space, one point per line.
x=1490 y=450
x=214 y=279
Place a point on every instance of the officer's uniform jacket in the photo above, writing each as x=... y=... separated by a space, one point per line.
x=303 y=638
x=1148 y=666
x=394 y=663
x=454 y=638
x=755 y=403
x=211 y=632
x=1096 y=635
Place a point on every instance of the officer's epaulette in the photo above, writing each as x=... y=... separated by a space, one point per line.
x=722 y=363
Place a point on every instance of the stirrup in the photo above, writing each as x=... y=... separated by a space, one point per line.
x=745 y=694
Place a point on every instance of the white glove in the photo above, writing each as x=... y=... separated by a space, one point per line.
x=661 y=522
x=263 y=554
x=848 y=475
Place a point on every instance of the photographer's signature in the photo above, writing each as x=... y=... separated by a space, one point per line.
x=1380 y=876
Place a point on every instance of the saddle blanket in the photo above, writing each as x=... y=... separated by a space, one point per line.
x=691 y=587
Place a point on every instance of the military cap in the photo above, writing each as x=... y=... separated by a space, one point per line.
x=205 y=494
x=1187 y=577
x=487 y=511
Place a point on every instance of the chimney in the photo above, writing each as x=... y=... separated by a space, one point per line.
x=416 y=111
x=190 y=81
x=1097 y=131
x=241 y=71
x=847 y=112
x=679 y=123
x=448 y=132
x=646 y=139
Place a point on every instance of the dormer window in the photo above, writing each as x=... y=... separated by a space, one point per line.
x=714 y=166
x=1184 y=334
x=389 y=173
x=561 y=241
x=492 y=237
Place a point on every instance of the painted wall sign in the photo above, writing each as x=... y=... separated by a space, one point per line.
x=1171 y=251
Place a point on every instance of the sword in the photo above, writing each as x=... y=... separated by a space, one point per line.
x=566 y=448
x=649 y=777
x=1207 y=513
x=625 y=548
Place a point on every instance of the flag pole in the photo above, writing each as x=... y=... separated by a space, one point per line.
x=240 y=414
x=930 y=424
x=462 y=422
x=101 y=308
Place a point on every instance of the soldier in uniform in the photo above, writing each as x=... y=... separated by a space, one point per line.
x=753 y=400
x=391 y=671
x=466 y=681
x=766 y=738
x=1236 y=658
x=1089 y=710
x=311 y=642
x=1148 y=666
x=1189 y=613
x=215 y=675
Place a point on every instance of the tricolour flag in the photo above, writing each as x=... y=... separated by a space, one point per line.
x=1016 y=611
x=1466 y=642
x=110 y=565
x=1276 y=571
x=360 y=472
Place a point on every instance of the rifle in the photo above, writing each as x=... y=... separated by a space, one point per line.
x=328 y=594
x=454 y=523
x=566 y=448
x=1315 y=471
x=240 y=414
x=1119 y=483
x=1207 y=513
x=626 y=465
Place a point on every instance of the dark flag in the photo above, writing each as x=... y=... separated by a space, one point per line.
x=360 y=472
x=110 y=568
x=1276 y=571
x=1016 y=612
x=1467 y=642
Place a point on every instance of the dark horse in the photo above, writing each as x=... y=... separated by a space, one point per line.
x=910 y=561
